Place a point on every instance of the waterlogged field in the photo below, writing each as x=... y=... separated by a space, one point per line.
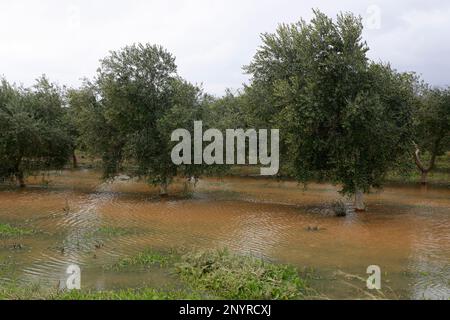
x=282 y=240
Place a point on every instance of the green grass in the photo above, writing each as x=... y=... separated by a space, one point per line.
x=144 y=259
x=8 y=231
x=14 y=291
x=223 y=275
x=36 y=292
x=7 y=266
x=229 y=276
x=17 y=291
x=129 y=294
x=215 y=274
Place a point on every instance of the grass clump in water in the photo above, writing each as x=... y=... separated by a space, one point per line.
x=8 y=231
x=7 y=267
x=144 y=259
x=230 y=276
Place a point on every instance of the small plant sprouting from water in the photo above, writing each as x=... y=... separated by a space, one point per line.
x=8 y=231
x=6 y=266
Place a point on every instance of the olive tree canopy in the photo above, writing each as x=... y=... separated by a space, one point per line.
x=129 y=111
x=342 y=117
x=34 y=134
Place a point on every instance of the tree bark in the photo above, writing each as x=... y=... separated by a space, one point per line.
x=74 y=160
x=424 y=170
x=163 y=189
x=424 y=177
x=359 y=201
x=20 y=178
x=18 y=173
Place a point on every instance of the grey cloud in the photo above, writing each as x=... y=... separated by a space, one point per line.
x=212 y=39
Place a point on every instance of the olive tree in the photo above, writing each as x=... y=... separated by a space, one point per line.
x=34 y=135
x=126 y=115
x=432 y=129
x=342 y=117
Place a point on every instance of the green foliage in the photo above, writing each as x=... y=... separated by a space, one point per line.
x=129 y=294
x=127 y=115
x=226 y=112
x=34 y=133
x=342 y=118
x=229 y=276
x=439 y=176
x=14 y=291
x=7 y=231
x=188 y=105
x=214 y=274
x=432 y=121
x=432 y=126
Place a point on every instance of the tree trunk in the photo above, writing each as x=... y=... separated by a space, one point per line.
x=18 y=172
x=359 y=201
x=74 y=160
x=425 y=170
x=163 y=189
x=20 y=178
x=424 y=178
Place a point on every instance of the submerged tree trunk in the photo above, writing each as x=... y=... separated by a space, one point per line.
x=74 y=160
x=18 y=172
x=425 y=170
x=424 y=178
x=20 y=178
x=190 y=183
x=163 y=189
x=359 y=201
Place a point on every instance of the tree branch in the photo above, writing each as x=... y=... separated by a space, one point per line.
x=417 y=159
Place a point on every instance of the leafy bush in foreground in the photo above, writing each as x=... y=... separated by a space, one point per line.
x=231 y=276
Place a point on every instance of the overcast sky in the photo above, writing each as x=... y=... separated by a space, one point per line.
x=211 y=39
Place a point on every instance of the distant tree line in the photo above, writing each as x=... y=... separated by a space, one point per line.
x=342 y=117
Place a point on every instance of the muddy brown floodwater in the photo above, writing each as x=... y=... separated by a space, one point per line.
x=406 y=232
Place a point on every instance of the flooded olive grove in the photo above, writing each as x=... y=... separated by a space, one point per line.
x=128 y=178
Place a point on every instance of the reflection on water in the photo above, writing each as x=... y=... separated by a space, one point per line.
x=406 y=232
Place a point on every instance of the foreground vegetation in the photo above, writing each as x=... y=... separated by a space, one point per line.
x=228 y=276
x=8 y=231
x=216 y=274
